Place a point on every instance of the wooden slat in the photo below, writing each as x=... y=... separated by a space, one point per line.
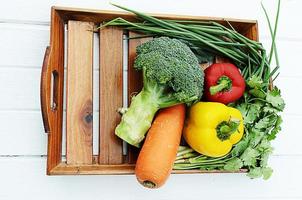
x=104 y=169
x=135 y=82
x=111 y=94
x=105 y=15
x=79 y=93
x=56 y=63
x=122 y=169
x=252 y=32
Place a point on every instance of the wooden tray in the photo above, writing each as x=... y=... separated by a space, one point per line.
x=79 y=95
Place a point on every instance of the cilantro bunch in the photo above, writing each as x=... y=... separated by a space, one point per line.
x=262 y=122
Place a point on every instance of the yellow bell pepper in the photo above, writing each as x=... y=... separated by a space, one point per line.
x=213 y=128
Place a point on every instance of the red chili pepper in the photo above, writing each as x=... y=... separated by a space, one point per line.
x=223 y=83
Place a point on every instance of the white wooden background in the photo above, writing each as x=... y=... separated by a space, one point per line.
x=24 y=34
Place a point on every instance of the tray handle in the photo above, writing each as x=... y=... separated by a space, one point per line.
x=48 y=90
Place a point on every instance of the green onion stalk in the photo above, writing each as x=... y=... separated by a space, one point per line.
x=187 y=158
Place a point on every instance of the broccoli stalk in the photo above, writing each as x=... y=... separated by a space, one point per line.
x=138 y=118
x=171 y=75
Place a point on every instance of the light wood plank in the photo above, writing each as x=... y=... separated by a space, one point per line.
x=111 y=94
x=79 y=93
x=122 y=169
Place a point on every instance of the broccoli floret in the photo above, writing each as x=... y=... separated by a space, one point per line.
x=171 y=75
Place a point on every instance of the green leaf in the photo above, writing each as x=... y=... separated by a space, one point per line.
x=243 y=108
x=255 y=82
x=276 y=129
x=256 y=136
x=275 y=99
x=255 y=172
x=266 y=123
x=249 y=112
x=264 y=159
x=240 y=147
x=233 y=165
x=270 y=110
x=258 y=172
x=249 y=156
x=263 y=123
x=264 y=147
x=253 y=113
x=257 y=93
x=267 y=172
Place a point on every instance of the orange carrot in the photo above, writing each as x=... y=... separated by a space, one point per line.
x=156 y=158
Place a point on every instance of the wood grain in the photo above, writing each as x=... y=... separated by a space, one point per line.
x=111 y=94
x=121 y=169
x=135 y=81
x=79 y=93
x=44 y=90
x=252 y=32
x=95 y=169
x=55 y=115
x=98 y=16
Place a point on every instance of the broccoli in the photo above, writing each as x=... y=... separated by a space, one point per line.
x=171 y=75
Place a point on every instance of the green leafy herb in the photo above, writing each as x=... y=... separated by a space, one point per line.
x=249 y=112
x=267 y=172
x=274 y=98
x=263 y=123
x=258 y=172
x=276 y=129
x=255 y=82
x=233 y=165
x=268 y=109
x=264 y=159
x=249 y=156
x=240 y=147
x=255 y=172
x=256 y=136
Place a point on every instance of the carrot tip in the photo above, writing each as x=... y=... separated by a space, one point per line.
x=149 y=184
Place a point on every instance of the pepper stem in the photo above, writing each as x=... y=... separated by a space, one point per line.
x=224 y=83
x=226 y=128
